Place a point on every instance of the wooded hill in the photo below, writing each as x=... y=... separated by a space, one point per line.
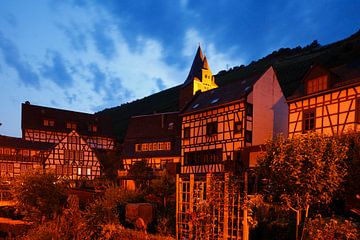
x=290 y=65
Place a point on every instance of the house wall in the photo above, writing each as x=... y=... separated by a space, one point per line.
x=14 y=162
x=270 y=110
x=335 y=112
x=194 y=177
x=73 y=158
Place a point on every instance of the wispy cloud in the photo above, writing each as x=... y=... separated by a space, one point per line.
x=13 y=59
x=103 y=41
x=57 y=71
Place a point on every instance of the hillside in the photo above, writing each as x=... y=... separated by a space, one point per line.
x=290 y=65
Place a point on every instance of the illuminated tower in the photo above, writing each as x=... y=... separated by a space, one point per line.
x=200 y=78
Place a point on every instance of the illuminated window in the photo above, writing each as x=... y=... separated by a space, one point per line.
x=211 y=128
x=309 y=120
x=238 y=127
x=317 y=84
x=88 y=171
x=71 y=125
x=49 y=122
x=187 y=133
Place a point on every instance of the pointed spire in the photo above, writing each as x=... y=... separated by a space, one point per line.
x=196 y=66
x=205 y=63
x=199 y=53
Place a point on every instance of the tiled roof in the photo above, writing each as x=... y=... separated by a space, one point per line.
x=19 y=143
x=226 y=94
x=33 y=117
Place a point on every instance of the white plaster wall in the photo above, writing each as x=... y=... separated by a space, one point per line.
x=270 y=110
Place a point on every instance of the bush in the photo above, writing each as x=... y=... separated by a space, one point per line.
x=331 y=228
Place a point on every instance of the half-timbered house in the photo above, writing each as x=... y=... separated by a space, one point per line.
x=18 y=156
x=154 y=139
x=220 y=128
x=327 y=102
x=44 y=124
x=71 y=158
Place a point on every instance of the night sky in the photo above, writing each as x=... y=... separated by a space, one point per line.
x=91 y=55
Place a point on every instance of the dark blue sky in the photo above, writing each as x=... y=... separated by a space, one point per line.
x=88 y=55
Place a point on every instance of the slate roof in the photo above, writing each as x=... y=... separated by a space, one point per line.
x=33 y=117
x=164 y=127
x=19 y=143
x=227 y=94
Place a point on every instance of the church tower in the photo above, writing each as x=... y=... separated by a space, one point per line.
x=200 y=78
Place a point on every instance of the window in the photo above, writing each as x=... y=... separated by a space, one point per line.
x=49 y=122
x=249 y=109
x=357 y=111
x=317 y=84
x=203 y=157
x=309 y=120
x=211 y=128
x=71 y=125
x=248 y=136
x=238 y=127
x=25 y=168
x=73 y=155
x=73 y=139
x=186 y=132
x=171 y=126
x=92 y=128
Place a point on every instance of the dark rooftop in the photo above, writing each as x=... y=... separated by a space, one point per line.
x=19 y=143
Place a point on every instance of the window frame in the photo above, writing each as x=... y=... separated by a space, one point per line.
x=306 y=122
x=186 y=132
x=211 y=128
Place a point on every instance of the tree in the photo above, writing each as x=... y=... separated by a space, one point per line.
x=142 y=174
x=302 y=171
x=106 y=210
x=331 y=228
x=40 y=196
x=163 y=190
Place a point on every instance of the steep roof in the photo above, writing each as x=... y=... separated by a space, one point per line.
x=19 y=143
x=33 y=117
x=227 y=94
x=197 y=65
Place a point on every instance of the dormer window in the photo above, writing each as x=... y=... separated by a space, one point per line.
x=92 y=128
x=317 y=84
x=48 y=122
x=71 y=125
